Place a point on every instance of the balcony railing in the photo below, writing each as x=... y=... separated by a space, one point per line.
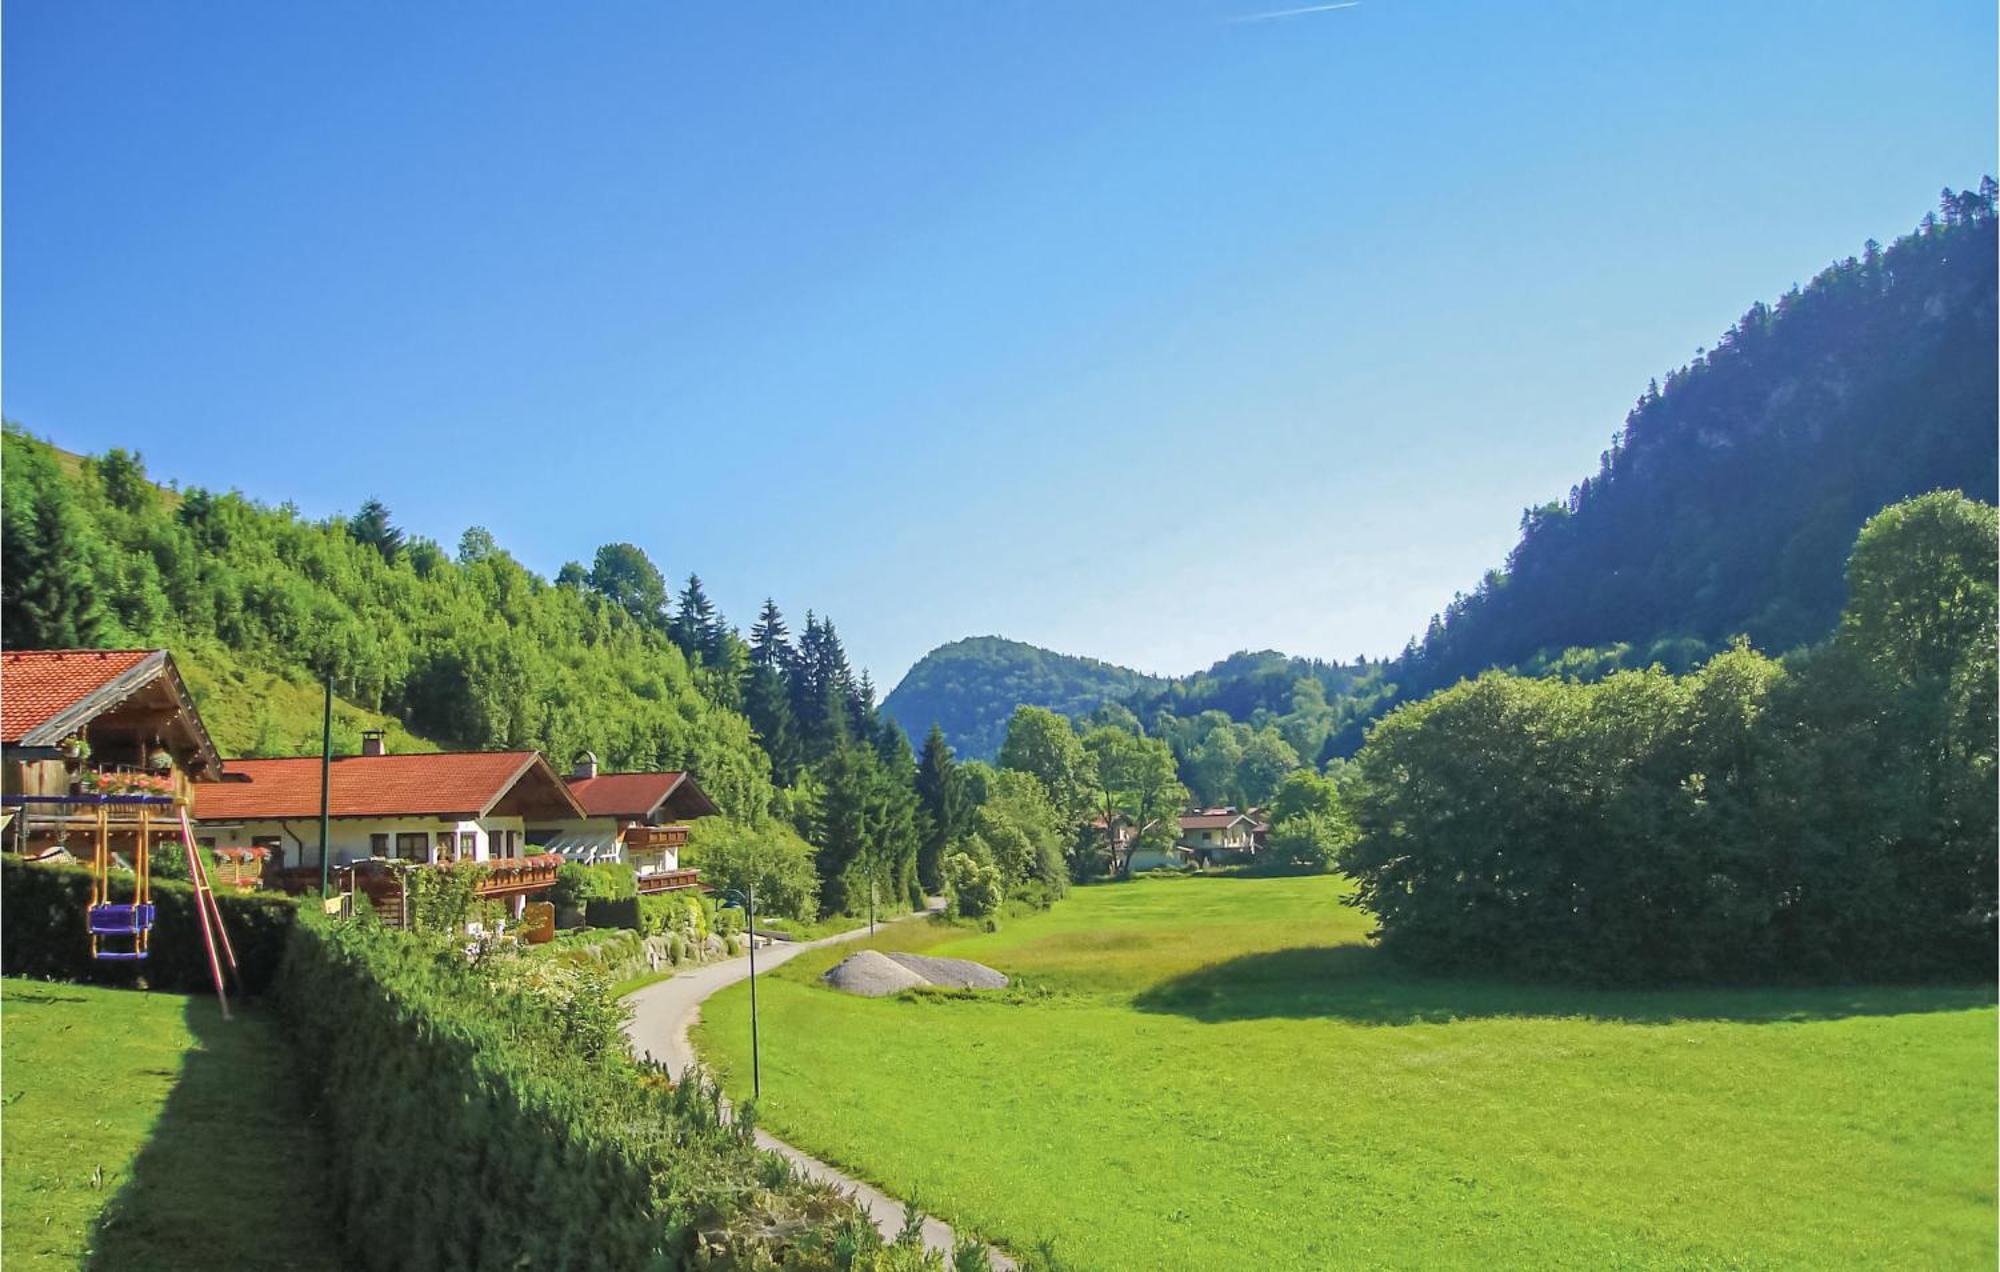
x=668 y=881
x=646 y=839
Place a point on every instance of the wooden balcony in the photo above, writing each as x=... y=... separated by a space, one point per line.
x=647 y=839
x=668 y=881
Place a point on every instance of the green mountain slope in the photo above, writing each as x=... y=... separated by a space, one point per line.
x=970 y=687
x=1730 y=498
x=257 y=602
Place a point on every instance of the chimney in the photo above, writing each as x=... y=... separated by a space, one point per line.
x=586 y=767
x=372 y=742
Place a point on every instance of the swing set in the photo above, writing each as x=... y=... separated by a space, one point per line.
x=121 y=929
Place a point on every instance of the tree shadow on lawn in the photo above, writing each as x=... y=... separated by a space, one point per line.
x=1359 y=983
x=233 y=1173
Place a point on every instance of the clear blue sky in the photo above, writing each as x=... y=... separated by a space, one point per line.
x=1126 y=328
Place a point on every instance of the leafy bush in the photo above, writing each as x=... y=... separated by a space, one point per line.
x=613 y=912
x=973 y=887
x=481 y=1118
x=443 y=898
x=770 y=857
x=578 y=885
x=46 y=933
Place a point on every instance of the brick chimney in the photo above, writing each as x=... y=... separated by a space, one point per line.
x=372 y=742
x=586 y=767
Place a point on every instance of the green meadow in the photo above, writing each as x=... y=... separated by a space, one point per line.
x=143 y=1131
x=1220 y=1072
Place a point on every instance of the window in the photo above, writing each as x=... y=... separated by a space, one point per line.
x=413 y=847
x=468 y=844
x=378 y=845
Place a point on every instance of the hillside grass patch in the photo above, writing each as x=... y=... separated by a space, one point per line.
x=1221 y=1072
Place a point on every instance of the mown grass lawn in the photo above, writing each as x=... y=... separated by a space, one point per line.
x=141 y=1131
x=1220 y=1073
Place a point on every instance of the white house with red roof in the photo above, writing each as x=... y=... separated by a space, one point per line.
x=638 y=818
x=424 y=808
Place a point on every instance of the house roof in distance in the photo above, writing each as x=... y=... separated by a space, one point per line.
x=640 y=794
x=454 y=784
x=1214 y=819
x=48 y=694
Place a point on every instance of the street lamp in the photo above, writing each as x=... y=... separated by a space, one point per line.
x=748 y=896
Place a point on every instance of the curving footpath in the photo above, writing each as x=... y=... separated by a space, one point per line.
x=663 y=1016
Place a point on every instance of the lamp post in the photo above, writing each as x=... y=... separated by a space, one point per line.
x=748 y=895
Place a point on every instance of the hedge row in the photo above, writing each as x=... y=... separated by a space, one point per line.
x=466 y=1130
x=46 y=934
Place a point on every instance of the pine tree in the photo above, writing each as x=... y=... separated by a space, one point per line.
x=372 y=526
x=48 y=576
x=941 y=799
x=770 y=641
x=696 y=627
x=770 y=710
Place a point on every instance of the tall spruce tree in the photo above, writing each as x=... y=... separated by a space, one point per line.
x=372 y=526
x=941 y=799
x=696 y=627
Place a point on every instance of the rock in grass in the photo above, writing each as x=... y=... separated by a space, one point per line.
x=872 y=974
x=953 y=973
x=875 y=974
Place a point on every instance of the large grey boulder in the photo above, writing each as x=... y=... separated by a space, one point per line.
x=875 y=974
x=872 y=974
x=952 y=973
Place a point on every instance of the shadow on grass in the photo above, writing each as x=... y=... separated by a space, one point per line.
x=232 y=1174
x=1359 y=983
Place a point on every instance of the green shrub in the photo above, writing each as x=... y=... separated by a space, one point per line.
x=46 y=935
x=771 y=858
x=577 y=885
x=483 y=1118
x=973 y=886
x=612 y=912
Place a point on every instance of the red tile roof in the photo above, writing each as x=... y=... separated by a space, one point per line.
x=459 y=782
x=37 y=685
x=622 y=794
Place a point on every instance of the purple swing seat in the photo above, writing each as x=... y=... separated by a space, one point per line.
x=120 y=920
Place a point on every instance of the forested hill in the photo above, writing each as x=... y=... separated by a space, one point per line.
x=1728 y=502
x=970 y=687
x=469 y=649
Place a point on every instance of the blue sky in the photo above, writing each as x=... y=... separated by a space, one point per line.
x=1132 y=329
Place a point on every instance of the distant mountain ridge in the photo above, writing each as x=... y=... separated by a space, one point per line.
x=1726 y=504
x=970 y=687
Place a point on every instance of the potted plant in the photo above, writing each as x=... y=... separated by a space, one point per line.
x=160 y=760
x=74 y=748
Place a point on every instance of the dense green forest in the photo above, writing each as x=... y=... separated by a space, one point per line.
x=1725 y=506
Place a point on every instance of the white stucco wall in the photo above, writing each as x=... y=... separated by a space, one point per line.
x=349 y=837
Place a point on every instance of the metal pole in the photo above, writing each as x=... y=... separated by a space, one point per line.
x=756 y=1064
x=325 y=791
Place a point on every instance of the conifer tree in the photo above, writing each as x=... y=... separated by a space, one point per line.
x=372 y=526
x=941 y=798
x=696 y=627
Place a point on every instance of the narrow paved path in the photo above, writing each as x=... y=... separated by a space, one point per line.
x=663 y=1017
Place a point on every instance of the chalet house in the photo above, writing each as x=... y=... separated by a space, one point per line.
x=638 y=818
x=95 y=721
x=421 y=808
x=1213 y=836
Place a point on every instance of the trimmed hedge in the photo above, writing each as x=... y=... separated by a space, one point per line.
x=46 y=934
x=612 y=912
x=467 y=1130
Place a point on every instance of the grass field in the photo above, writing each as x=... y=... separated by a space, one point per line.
x=1219 y=1073
x=141 y=1131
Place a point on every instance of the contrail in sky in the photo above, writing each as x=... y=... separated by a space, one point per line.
x=1293 y=13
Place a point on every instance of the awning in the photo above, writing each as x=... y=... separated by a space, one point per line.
x=584 y=847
